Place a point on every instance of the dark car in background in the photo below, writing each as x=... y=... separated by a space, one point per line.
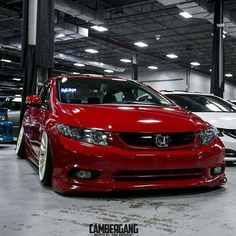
x=12 y=104
x=5 y=126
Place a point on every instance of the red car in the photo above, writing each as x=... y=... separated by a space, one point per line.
x=91 y=133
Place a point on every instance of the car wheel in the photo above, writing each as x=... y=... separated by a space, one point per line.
x=20 y=145
x=45 y=161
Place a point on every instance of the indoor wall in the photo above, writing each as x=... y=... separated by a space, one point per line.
x=176 y=80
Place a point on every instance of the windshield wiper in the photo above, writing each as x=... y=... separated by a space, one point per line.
x=140 y=103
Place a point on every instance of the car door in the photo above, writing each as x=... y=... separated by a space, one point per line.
x=39 y=116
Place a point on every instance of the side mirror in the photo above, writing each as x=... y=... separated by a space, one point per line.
x=33 y=101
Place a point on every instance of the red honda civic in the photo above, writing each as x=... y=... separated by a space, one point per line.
x=91 y=133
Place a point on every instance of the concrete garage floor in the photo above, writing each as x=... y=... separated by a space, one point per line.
x=26 y=208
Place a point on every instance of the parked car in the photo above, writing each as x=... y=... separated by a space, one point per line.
x=5 y=126
x=214 y=110
x=13 y=104
x=89 y=133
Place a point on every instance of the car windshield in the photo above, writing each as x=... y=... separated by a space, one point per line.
x=202 y=103
x=107 y=91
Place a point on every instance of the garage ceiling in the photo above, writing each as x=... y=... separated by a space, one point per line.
x=127 y=21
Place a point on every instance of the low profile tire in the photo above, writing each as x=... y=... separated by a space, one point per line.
x=45 y=161
x=20 y=144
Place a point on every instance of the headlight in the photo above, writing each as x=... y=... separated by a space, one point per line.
x=208 y=135
x=3 y=117
x=85 y=135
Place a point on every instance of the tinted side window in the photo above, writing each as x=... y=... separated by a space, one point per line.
x=45 y=96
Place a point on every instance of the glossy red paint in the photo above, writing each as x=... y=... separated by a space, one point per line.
x=33 y=100
x=173 y=167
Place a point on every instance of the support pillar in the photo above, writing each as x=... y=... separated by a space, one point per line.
x=188 y=70
x=217 y=75
x=37 y=45
x=134 y=67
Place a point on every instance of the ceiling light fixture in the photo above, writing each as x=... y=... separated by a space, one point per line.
x=141 y=44
x=172 y=56
x=152 y=67
x=60 y=35
x=90 y=50
x=195 y=63
x=109 y=71
x=99 y=28
x=64 y=79
x=185 y=14
x=125 y=60
x=228 y=75
x=6 y=60
x=16 y=79
x=75 y=73
x=79 y=64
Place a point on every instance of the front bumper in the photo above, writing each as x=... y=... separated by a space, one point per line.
x=5 y=131
x=230 y=148
x=68 y=154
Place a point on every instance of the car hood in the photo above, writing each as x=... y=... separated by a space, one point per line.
x=224 y=120
x=129 y=118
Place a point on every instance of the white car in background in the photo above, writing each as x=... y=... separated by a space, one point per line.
x=215 y=111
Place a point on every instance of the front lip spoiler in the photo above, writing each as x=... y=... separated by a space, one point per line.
x=62 y=186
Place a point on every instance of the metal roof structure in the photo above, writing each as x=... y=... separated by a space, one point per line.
x=154 y=22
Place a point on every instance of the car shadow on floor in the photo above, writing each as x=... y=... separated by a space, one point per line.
x=146 y=193
x=7 y=144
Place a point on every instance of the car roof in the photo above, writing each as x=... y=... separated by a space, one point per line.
x=89 y=76
x=187 y=93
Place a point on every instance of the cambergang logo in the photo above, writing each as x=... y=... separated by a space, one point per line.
x=113 y=229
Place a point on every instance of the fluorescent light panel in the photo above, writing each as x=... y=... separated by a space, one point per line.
x=172 y=56
x=141 y=44
x=195 y=63
x=185 y=14
x=125 y=60
x=60 y=35
x=90 y=50
x=16 y=79
x=79 y=64
x=99 y=28
x=6 y=60
x=228 y=75
x=109 y=71
x=153 y=67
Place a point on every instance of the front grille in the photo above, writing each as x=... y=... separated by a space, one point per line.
x=155 y=175
x=149 y=139
x=230 y=153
